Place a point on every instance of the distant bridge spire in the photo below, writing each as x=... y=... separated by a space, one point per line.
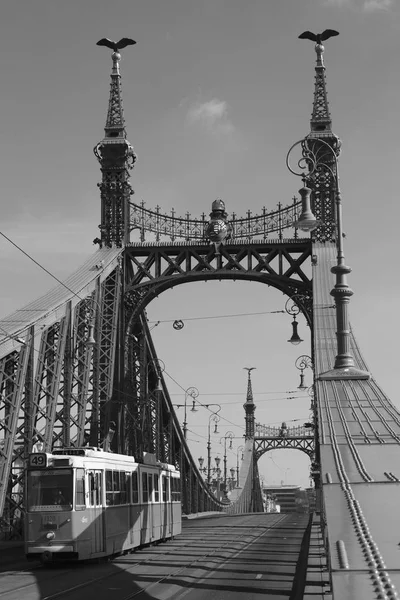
x=249 y=406
x=320 y=119
x=116 y=157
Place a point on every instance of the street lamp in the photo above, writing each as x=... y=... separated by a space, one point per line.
x=240 y=449
x=217 y=472
x=302 y=363
x=193 y=393
x=317 y=156
x=293 y=309
x=215 y=418
x=228 y=436
x=232 y=482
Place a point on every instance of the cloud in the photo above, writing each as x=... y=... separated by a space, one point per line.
x=338 y=2
x=213 y=116
x=368 y=6
x=377 y=5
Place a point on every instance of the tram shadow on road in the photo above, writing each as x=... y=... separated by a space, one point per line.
x=100 y=580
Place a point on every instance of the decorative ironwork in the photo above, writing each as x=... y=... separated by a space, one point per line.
x=282 y=431
x=171 y=227
x=274 y=438
x=303 y=362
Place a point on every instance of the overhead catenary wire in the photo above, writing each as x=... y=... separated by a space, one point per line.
x=270 y=312
x=40 y=266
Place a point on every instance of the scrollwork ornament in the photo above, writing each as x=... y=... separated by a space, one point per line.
x=316 y=156
x=304 y=362
x=97 y=152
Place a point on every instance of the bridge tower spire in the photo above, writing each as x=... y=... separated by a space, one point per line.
x=116 y=157
x=249 y=407
x=322 y=179
x=321 y=120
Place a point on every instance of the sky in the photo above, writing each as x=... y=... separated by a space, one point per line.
x=215 y=93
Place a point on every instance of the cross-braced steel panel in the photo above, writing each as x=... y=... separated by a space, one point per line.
x=284 y=265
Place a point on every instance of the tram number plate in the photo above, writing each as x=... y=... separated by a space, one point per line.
x=38 y=460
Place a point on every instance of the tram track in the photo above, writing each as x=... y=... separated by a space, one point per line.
x=245 y=545
x=176 y=550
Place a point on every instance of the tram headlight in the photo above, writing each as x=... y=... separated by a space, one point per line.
x=50 y=535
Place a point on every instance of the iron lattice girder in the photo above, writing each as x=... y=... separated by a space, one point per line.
x=304 y=443
x=47 y=387
x=278 y=263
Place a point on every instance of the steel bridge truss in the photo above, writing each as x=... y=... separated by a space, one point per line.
x=277 y=438
x=156 y=268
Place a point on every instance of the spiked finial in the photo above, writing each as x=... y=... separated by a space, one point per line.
x=321 y=121
x=249 y=397
x=115 y=123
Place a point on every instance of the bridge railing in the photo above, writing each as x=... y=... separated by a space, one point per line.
x=246 y=228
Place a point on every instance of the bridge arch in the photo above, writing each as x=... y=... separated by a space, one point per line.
x=269 y=438
x=276 y=264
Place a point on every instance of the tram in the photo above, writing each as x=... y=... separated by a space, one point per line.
x=85 y=503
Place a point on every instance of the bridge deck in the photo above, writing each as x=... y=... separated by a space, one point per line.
x=359 y=433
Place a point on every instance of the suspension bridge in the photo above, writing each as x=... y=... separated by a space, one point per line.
x=78 y=365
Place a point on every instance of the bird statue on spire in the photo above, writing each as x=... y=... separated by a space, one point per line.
x=116 y=46
x=318 y=38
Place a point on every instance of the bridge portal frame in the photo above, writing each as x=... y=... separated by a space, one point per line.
x=152 y=268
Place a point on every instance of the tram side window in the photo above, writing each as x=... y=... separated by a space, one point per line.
x=122 y=487
x=80 y=489
x=176 y=489
x=156 y=488
x=109 y=488
x=135 y=488
x=95 y=488
x=145 y=489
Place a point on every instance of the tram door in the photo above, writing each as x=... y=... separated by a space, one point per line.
x=168 y=483
x=96 y=510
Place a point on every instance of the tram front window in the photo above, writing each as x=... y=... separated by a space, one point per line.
x=49 y=490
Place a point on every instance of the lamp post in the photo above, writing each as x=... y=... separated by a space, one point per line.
x=193 y=393
x=302 y=363
x=317 y=156
x=232 y=482
x=228 y=436
x=240 y=449
x=215 y=418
